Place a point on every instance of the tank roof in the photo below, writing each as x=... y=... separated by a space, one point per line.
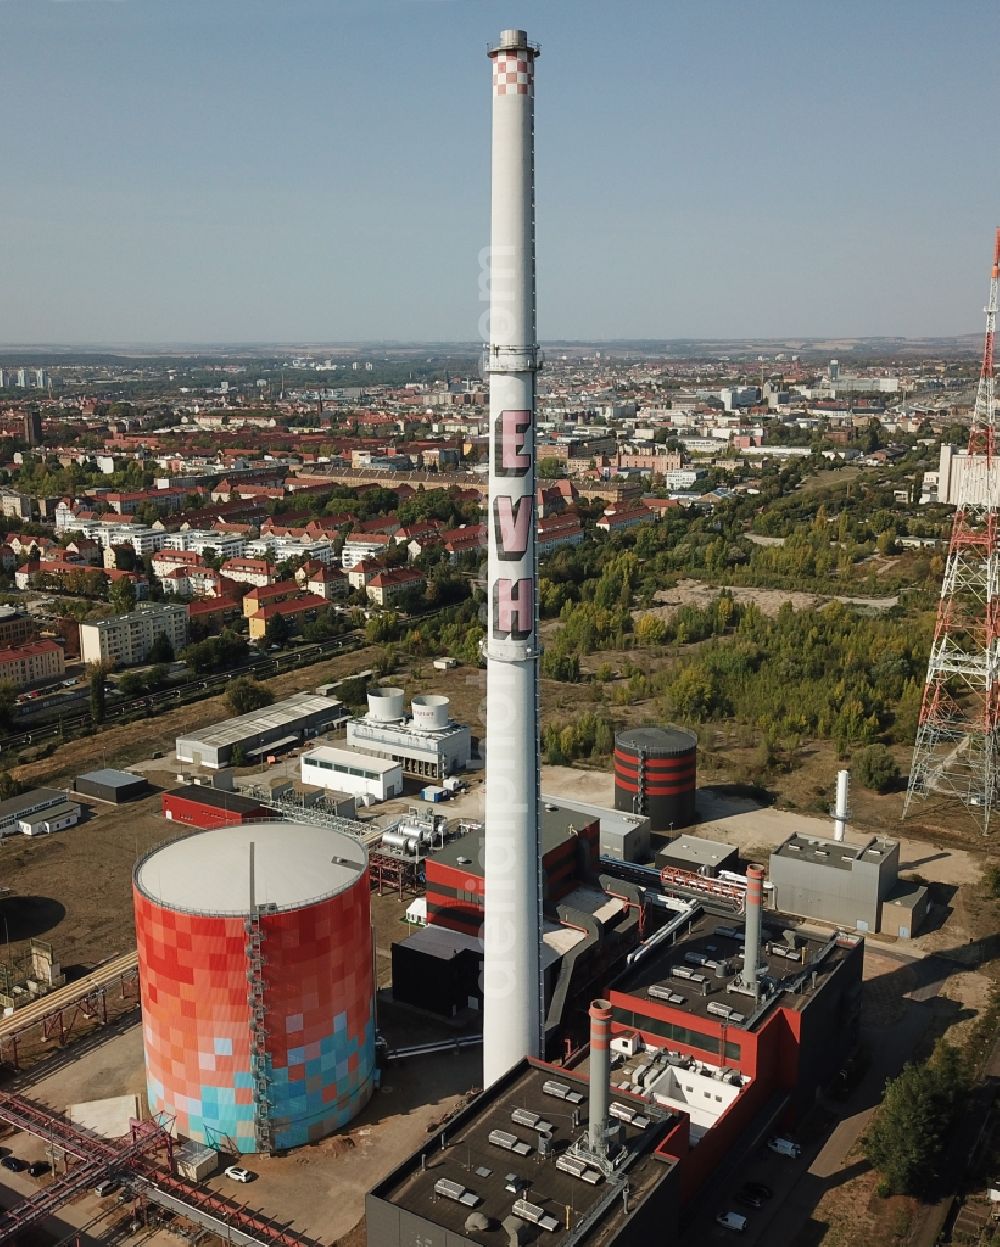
x=295 y=864
x=665 y=740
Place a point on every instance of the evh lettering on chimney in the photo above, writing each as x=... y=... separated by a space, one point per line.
x=513 y=600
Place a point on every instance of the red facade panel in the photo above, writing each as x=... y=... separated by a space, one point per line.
x=197 y=1032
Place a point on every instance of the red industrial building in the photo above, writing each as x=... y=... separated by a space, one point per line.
x=199 y=806
x=778 y=1049
x=705 y=1067
x=455 y=884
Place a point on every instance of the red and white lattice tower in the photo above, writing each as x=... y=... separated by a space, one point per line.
x=958 y=735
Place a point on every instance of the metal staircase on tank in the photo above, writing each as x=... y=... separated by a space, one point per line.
x=260 y=1059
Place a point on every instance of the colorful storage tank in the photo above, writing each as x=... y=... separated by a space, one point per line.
x=255 y=964
x=655 y=775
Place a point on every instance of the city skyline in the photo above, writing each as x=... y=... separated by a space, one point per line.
x=261 y=173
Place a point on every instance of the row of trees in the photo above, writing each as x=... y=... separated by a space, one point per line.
x=590 y=735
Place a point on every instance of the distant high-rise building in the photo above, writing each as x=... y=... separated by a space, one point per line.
x=23 y=379
x=4 y=378
x=41 y=379
x=33 y=428
x=834 y=369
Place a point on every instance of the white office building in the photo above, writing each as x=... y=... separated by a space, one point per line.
x=359 y=774
x=225 y=545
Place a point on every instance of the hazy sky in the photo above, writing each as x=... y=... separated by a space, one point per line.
x=317 y=170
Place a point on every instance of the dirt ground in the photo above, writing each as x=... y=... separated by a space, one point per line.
x=770 y=601
x=319 y=1190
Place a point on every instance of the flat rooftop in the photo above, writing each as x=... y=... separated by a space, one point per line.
x=443 y=943
x=698 y=850
x=348 y=758
x=111 y=778
x=463 y=1154
x=838 y=854
x=556 y=825
x=209 y=872
x=218 y=799
x=269 y=719
x=613 y=822
x=711 y=947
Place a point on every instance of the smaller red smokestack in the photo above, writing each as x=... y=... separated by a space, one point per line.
x=600 y=1075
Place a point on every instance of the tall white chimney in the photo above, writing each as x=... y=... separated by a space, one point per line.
x=600 y=1076
x=755 y=904
x=840 y=809
x=512 y=978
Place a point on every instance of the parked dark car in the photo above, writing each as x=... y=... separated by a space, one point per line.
x=748 y=1199
x=758 y=1188
x=38 y=1167
x=13 y=1163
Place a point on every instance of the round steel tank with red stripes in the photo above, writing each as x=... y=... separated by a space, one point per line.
x=655 y=770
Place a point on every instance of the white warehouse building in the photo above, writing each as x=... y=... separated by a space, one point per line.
x=428 y=744
x=360 y=774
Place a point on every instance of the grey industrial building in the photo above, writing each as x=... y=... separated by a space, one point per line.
x=845 y=884
x=625 y=837
x=695 y=853
x=112 y=786
x=270 y=729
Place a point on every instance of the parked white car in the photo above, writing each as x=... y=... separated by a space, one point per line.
x=239 y=1175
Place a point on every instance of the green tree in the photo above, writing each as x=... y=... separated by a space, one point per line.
x=876 y=768
x=246 y=694
x=9 y=786
x=157 y=677
x=8 y=700
x=278 y=630
x=121 y=595
x=161 y=650
x=131 y=684
x=911 y=1126
x=126 y=559
x=98 y=692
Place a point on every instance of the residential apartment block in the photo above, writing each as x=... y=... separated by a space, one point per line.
x=124 y=640
x=29 y=663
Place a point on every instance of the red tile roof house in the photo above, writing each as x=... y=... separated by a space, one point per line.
x=249 y=571
x=458 y=541
x=361 y=574
x=621 y=520
x=296 y=611
x=392 y=583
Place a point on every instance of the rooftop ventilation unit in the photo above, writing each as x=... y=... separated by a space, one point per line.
x=533 y=1121
x=578 y=1168
x=561 y=1091
x=630 y=1115
x=530 y=1212
x=455 y=1191
x=509 y=1142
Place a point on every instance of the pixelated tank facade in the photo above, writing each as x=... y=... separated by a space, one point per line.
x=318 y=1024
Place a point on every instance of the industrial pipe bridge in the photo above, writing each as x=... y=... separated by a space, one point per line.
x=133 y=1160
